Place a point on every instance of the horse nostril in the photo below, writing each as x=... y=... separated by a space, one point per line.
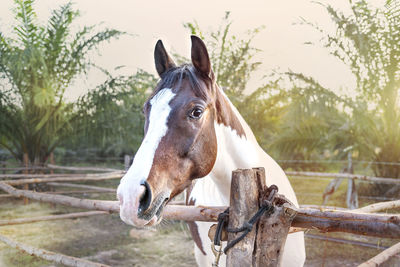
x=145 y=199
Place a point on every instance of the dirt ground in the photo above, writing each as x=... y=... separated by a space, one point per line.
x=106 y=239
x=102 y=238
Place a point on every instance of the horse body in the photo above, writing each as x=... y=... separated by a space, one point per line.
x=235 y=152
x=194 y=133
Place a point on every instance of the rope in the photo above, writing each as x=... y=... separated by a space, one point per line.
x=267 y=207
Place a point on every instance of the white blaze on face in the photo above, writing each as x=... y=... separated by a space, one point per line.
x=129 y=188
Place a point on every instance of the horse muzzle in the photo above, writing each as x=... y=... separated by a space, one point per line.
x=138 y=207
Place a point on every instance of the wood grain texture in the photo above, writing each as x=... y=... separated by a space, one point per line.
x=243 y=205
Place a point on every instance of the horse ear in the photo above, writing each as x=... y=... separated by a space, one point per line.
x=162 y=59
x=200 y=58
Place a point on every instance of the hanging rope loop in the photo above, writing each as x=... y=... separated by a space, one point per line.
x=267 y=208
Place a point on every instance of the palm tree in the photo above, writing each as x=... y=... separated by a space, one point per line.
x=37 y=65
x=368 y=42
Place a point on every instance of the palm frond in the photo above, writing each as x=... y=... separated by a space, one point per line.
x=38 y=64
x=26 y=29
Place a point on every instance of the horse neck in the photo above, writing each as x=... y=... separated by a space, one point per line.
x=237 y=145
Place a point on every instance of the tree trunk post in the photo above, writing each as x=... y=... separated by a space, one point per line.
x=26 y=171
x=351 y=196
x=243 y=205
x=263 y=246
x=52 y=162
x=127 y=162
x=272 y=230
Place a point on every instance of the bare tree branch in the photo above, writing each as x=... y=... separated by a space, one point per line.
x=381 y=225
x=395 y=204
x=51 y=178
x=49 y=255
x=51 y=217
x=98 y=188
x=69 y=168
x=382 y=180
x=382 y=257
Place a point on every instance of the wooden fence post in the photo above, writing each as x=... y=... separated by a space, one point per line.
x=52 y=161
x=263 y=246
x=272 y=230
x=351 y=195
x=243 y=205
x=26 y=171
x=127 y=162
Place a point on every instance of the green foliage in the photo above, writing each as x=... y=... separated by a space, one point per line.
x=109 y=120
x=37 y=64
x=306 y=117
x=232 y=56
x=367 y=41
x=262 y=110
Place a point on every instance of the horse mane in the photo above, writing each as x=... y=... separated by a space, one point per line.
x=174 y=76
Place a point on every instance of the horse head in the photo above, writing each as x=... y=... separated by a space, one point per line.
x=179 y=142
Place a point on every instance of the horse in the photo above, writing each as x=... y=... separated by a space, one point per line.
x=194 y=138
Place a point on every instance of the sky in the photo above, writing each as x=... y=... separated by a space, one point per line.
x=282 y=40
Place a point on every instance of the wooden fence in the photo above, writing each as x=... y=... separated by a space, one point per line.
x=246 y=201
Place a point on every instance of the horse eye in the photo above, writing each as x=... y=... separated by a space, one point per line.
x=196 y=113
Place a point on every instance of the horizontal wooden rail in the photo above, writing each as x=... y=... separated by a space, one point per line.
x=366 y=178
x=71 y=192
x=49 y=255
x=83 y=186
x=3 y=196
x=380 y=225
x=58 y=167
x=71 y=168
x=110 y=206
x=346 y=241
x=52 y=217
x=382 y=257
x=382 y=206
x=27 y=176
x=88 y=191
x=46 y=176
x=16 y=169
x=75 y=178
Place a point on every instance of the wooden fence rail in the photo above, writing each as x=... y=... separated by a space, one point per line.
x=381 y=225
x=66 y=178
x=382 y=257
x=58 y=167
x=49 y=176
x=51 y=256
x=104 y=189
x=72 y=168
x=328 y=175
x=248 y=189
x=52 y=217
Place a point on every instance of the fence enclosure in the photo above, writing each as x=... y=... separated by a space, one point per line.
x=264 y=242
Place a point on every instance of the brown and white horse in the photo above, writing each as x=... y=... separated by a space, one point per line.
x=192 y=131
